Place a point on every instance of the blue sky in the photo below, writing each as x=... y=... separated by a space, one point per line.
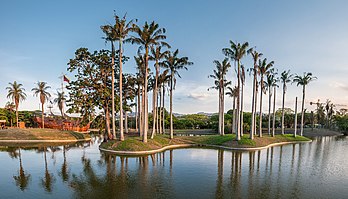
x=37 y=39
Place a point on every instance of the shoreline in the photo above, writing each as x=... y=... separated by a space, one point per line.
x=44 y=141
x=178 y=146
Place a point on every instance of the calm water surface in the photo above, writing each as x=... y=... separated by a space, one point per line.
x=312 y=170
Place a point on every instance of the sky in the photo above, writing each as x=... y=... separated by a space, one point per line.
x=37 y=39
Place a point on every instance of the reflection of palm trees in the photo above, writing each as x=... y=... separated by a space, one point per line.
x=64 y=172
x=22 y=180
x=220 y=175
x=48 y=180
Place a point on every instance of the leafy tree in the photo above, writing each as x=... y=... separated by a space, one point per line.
x=16 y=94
x=91 y=91
x=41 y=90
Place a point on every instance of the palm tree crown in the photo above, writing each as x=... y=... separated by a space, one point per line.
x=41 y=90
x=16 y=93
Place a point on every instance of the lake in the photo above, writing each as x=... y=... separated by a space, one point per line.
x=310 y=170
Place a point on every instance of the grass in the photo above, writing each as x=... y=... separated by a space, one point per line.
x=160 y=141
x=40 y=134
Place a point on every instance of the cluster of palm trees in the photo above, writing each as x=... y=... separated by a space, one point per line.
x=264 y=79
x=151 y=41
x=17 y=94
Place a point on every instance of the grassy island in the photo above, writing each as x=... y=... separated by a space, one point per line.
x=135 y=143
x=36 y=134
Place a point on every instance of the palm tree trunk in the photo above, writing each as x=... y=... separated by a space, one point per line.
x=145 y=96
x=252 y=129
x=42 y=116
x=295 y=131
x=238 y=103
x=171 y=107
x=126 y=121
x=241 y=112
x=17 y=116
x=136 y=114
x=234 y=116
x=283 y=127
x=260 y=120
x=274 y=100
x=154 y=104
x=163 y=111
x=255 y=104
x=121 y=88
x=113 y=90
x=107 y=123
x=269 y=109
x=223 y=112
x=220 y=119
x=160 y=112
x=303 y=100
x=142 y=127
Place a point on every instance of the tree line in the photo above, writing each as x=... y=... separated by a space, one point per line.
x=265 y=79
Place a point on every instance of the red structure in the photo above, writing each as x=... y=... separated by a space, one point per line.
x=62 y=124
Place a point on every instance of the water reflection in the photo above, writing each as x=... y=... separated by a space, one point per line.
x=22 y=179
x=313 y=170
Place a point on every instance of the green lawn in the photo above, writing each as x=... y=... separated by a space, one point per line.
x=160 y=141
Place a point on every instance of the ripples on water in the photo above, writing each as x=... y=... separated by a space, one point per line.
x=312 y=170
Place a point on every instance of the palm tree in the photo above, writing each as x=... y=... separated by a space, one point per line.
x=174 y=63
x=271 y=82
x=156 y=55
x=60 y=101
x=163 y=80
x=236 y=52
x=140 y=62
x=117 y=32
x=264 y=68
x=285 y=78
x=303 y=81
x=220 y=85
x=147 y=37
x=10 y=106
x=233 y=93
x=256 y=56
x=16 y=93
x=41 y=90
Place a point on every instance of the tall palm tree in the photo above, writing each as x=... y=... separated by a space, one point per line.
x=220 y=84
x=236 y=52
x=233 y=93
x=285 y=78
x=242 y=78
x=147 y=36
x=163 y=80
x=157 y=55
x=174 y=64
x=16 y=93
x=59 y=100
x=117 y=32
x=256 y=56
x=271 y=82
x=264 y=68
x=140 y=62
x=41 y=90
x=303 y=81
